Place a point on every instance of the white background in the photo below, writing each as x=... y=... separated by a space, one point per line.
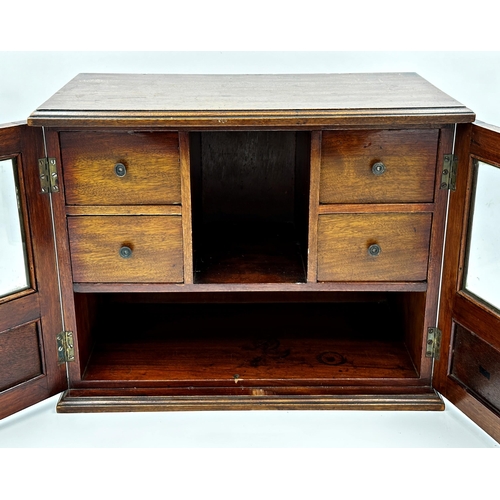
x=27 y=79
x=171 y=38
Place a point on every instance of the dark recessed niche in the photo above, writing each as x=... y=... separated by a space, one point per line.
x=250 y=194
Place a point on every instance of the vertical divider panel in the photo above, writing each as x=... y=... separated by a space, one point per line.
x=416 y=339
x=187 y=234
x=312 y=259
x=63 y=258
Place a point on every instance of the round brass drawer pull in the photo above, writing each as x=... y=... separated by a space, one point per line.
x=378 y=168
x=120 y=170
x=125 y=252
x=374 y=250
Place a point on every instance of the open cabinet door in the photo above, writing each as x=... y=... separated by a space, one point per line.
x=468 y=369
x=30 y=313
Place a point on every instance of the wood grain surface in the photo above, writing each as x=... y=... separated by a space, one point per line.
x=476 y=365
x=96 y=401
x=250 y=253
x=344 y=239
x=155 y=241
x=277 y=136
x=347 y=158
x=29 y=320
x=152 y=168
x=20 y=355
x=312 y=241
x=229 y=344
x=227 y=100
x=459 y=307
x=187 y=219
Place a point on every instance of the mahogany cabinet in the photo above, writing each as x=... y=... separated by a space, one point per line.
x=253 y=242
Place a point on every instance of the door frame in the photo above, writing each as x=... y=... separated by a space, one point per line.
x=38 y=307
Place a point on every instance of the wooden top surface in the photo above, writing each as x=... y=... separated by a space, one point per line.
x=226 y=100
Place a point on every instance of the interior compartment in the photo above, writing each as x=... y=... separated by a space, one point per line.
x=256 y=340
x=250 y=194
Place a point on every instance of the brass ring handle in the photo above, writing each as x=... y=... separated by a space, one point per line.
x=120 y=170
x=378 y=168
x=125 y=252
x=374 y=250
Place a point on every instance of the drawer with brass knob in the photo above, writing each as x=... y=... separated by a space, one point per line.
x=116 y=168
x=373 y=247
x=378 y=166
x=126 y=249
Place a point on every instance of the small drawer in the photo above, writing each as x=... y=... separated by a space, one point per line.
x=118 y=168
x=126 y=249
x=378 y=166
x=476 y=365
x=373 y=247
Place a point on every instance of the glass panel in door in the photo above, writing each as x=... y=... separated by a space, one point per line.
x=482 y=271
x=14 y=268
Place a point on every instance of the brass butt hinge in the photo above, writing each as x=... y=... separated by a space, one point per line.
x=65 y=347
x=449 y=174
x=49 y=182
x=433 y=344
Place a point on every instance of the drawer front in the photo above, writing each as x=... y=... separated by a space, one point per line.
x=378 y=166
x=126 y=249
x=104 y=168
x=373 y=247
x=476 y=365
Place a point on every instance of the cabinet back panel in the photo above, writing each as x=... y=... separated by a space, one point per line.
x=248 y=175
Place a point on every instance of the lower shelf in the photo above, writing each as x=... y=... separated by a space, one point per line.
x=249 y=345
x=95 y=401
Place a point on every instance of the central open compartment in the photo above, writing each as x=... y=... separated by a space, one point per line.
x=250 y=194
x=256 y=340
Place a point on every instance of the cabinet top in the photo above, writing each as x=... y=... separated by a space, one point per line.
x=224 y=101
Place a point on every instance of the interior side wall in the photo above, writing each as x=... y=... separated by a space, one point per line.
x=412 y=306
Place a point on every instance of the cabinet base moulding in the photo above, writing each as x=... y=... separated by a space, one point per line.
x=85 y=401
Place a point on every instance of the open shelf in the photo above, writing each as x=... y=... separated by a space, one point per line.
x=251 y=253
x=248 y=344
x=250 y=206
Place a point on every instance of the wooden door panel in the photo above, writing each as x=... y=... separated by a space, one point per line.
x=468 y=371
x=30 y=315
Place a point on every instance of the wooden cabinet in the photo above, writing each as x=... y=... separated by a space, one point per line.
x=248 y=242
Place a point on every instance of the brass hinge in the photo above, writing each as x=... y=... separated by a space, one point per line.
x=449 y=175
x=65 y=347
x=433 y=344
x=47 y=168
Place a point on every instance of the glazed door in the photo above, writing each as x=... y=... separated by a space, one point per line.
x=468 y=371
x=30 y=314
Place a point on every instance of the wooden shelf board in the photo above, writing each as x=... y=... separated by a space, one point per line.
x=237 y=345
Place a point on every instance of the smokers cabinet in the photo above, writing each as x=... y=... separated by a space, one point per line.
x=189 y=242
